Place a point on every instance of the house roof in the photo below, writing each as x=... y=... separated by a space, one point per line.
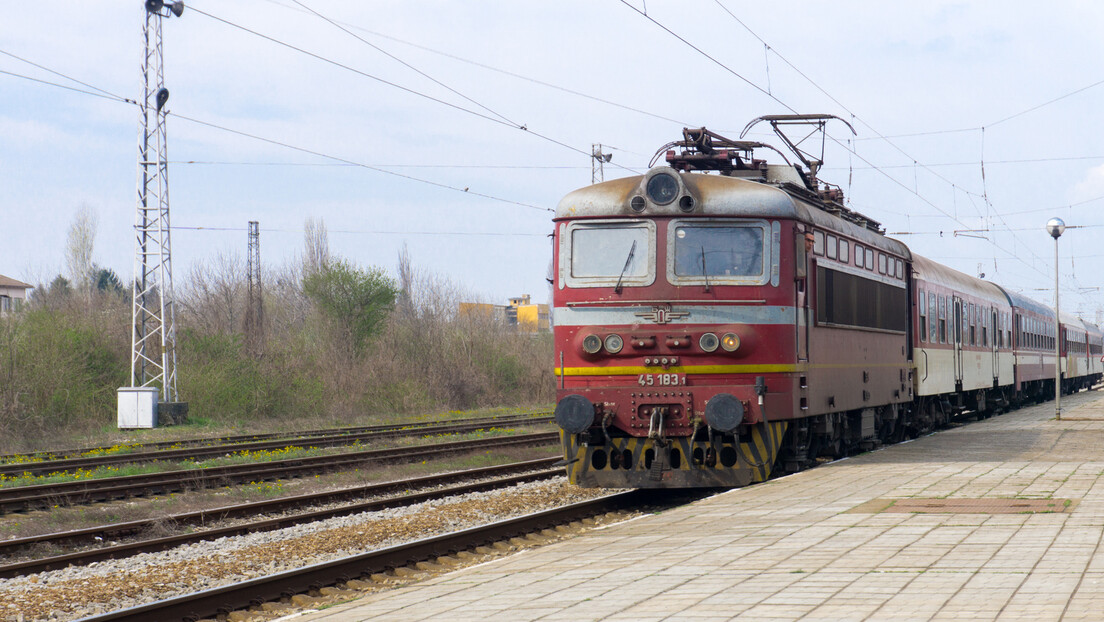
x=10 y=282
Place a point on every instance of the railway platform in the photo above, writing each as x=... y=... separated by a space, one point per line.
x=1001 y=519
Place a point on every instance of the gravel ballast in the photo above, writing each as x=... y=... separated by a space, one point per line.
x=101 y=587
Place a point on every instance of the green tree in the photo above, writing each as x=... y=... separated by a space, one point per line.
x=357 y=301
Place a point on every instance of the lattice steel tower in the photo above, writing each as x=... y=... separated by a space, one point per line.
x=153 y=342
x=254 y=311
x=597 y=160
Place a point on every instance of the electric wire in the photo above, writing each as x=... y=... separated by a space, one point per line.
x=848 y=147
x=408 y=90
x=367 y=232
x=404 y=63
x=465 y=190
x=836 y=141
x=69 y=88
x=61 y=75
x=504 y=72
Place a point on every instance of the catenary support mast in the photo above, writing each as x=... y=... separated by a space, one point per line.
x=153 y=320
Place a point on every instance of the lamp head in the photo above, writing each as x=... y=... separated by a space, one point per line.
x=1055 y=227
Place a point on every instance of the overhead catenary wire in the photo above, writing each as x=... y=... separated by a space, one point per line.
x=465 y=190
x=486 y=117
x=501 y=71
x=367 y=231
x=989 y=212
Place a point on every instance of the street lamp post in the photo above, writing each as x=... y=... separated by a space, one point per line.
x=1055 y=227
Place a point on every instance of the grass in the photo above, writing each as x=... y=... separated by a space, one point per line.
x=244 y=456
x=77 y=517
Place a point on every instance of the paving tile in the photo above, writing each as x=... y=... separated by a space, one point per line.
x=808 y=547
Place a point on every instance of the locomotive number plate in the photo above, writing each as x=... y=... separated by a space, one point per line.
x=661 y=380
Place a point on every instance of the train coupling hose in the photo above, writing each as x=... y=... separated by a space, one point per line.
x=760 y=388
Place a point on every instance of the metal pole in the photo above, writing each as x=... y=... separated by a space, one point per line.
x=1057 y=342
x=1055 y=227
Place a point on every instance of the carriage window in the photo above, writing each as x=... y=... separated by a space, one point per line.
x=843 y=248
x=831 y=247
x=718 y=251
x=923 y=308
x=932 y=313
x=601 y=254
x=943 y=319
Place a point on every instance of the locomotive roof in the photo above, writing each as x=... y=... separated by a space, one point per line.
x=724 y=196
x=939 y=274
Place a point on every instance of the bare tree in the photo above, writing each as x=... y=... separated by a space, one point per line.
x=214 y=294
x=405 y=304
x=78 y=248
x=316 y=246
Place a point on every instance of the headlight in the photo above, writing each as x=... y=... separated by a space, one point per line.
x=730 y=342
x=708 y=342
x=663 y=188
x=614 y=343
x=591 y=344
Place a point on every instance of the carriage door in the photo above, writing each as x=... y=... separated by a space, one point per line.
x=803 y=283
x=993 y=328
x=958 y=340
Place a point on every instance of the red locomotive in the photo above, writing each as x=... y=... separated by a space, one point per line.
x=719 y=317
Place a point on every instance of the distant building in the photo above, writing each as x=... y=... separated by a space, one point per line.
x=12 y=294
x=520 y=313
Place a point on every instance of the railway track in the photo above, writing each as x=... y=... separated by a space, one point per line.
x=93 y=490
x=501 y=476
x=197 y=449
x=223 y=600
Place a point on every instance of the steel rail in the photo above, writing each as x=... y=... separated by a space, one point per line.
x=160 y=544
x=17 y=463
x=91 y=490
x=91 y=535
x=222 y=600
x=333 y=440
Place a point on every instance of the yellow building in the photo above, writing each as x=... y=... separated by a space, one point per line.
x=520 y=313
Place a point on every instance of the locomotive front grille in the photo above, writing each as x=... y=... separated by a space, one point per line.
x=674 y=462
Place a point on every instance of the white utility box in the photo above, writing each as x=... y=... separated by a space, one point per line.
x=137 y=407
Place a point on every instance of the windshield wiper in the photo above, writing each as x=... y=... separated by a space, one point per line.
x=628 y=260
x=704 y=274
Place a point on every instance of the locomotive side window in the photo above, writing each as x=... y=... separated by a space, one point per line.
x=831 y=247
x=869 y=263
x=859 y=255
x=849 y=300
x=881 y=263
x=843 y=248
x=900 y=269
x=602 y=254
x=717 y=252
x=818 y=242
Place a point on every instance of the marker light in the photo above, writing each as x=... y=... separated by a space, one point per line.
x=709 y=342
x=591 y=344
x=614 y=343
x=730 y=342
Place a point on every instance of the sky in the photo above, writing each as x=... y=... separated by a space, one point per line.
x=454 y=128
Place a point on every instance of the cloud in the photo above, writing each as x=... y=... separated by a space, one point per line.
x=1090 y=187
